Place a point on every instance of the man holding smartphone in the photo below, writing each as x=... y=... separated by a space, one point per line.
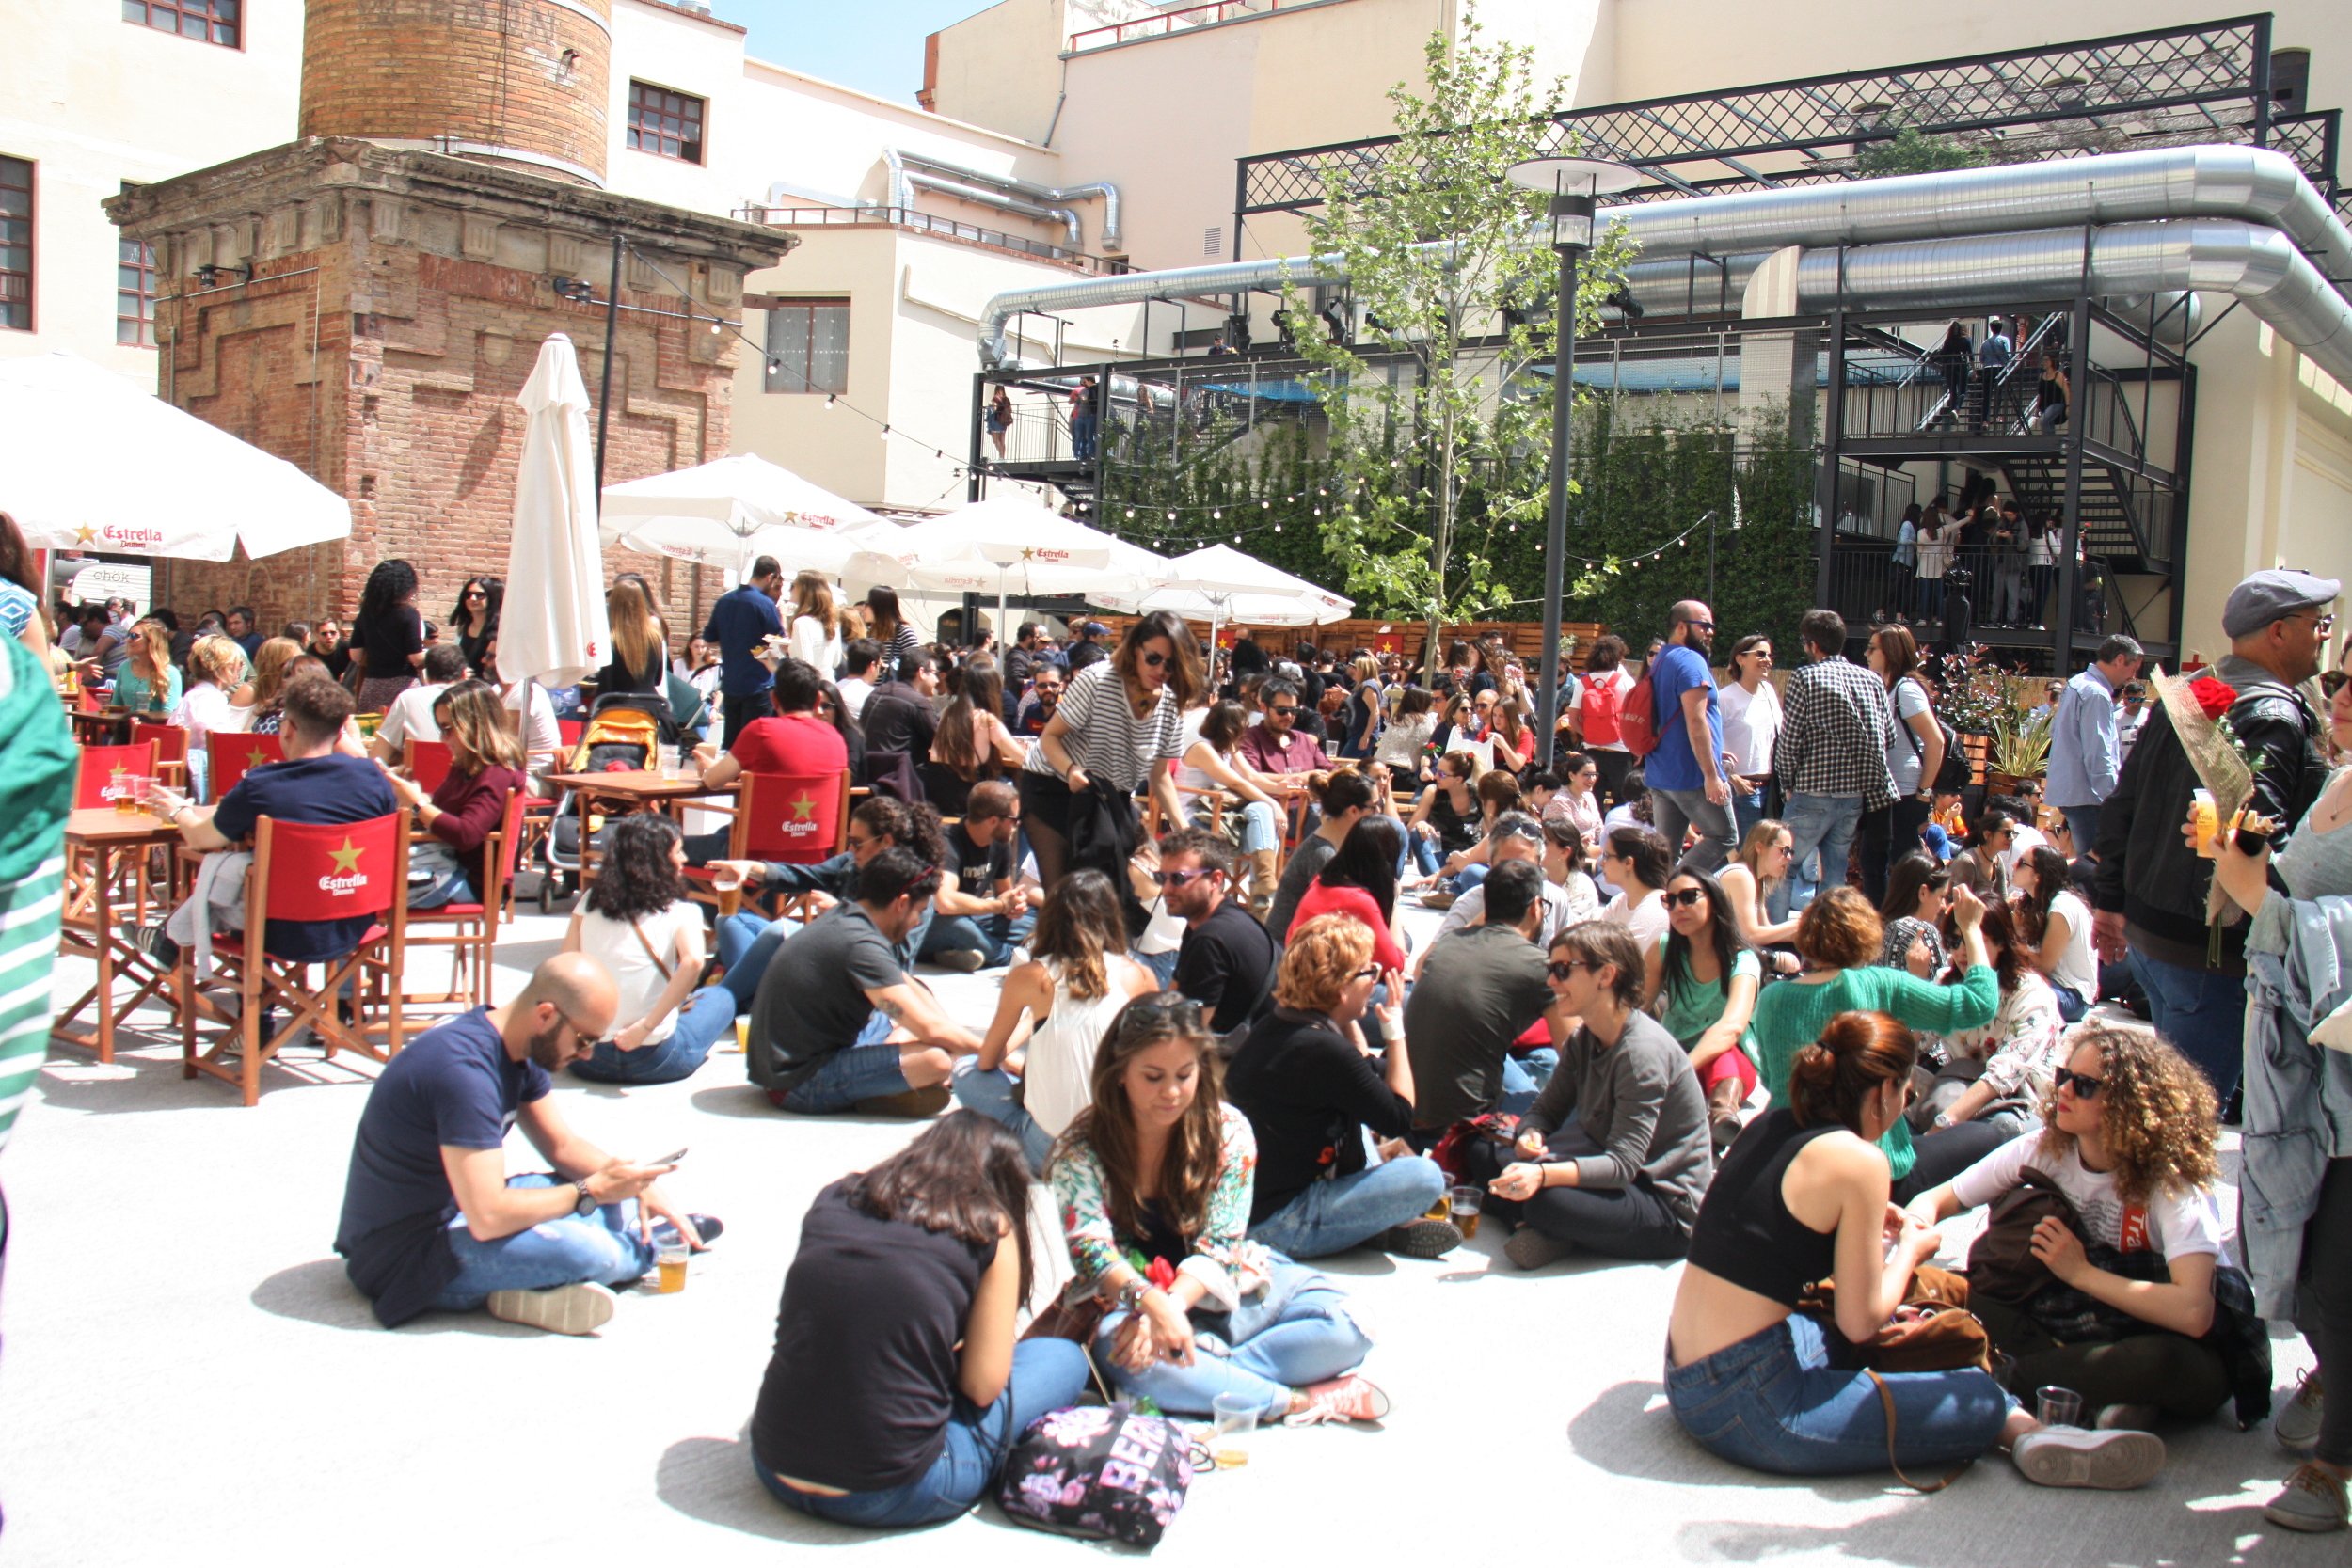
x=431 y=1219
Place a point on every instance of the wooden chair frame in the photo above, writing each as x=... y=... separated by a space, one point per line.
x=469 y=930
x=799 y=906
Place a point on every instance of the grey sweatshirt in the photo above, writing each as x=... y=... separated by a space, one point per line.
x=1639 y=1103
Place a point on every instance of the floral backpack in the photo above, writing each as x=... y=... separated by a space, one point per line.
x=1099 y=1473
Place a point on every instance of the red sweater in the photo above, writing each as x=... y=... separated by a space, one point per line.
x=471 y=808
x=1323 y=899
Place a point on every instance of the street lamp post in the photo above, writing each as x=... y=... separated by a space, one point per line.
x=1575 y=186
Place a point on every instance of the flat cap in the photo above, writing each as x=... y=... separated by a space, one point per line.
x=2273 y=596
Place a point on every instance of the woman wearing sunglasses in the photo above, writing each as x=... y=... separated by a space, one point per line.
x=1613 y=1157
x=1153 y=1179
x=1998 y=1075
x=1701 y=982
x=1120 y=724
x=2129 y=1138
x=1803 y=1197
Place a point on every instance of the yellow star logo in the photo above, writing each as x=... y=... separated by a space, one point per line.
x=85 y=535
x=804 y=809
x=346 y=858
x=255 y=759
x=119 y=777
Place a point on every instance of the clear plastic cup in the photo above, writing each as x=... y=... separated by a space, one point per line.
x=1468 y=1202
x=2208 y=817
x=670 y=1262
x=2059 y=1407
x=1234 y=1428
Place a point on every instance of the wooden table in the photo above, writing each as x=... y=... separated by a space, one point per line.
x=106 y=843
x=631 y=791
x=106 y=727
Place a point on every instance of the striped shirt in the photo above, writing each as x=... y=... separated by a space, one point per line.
x=1105 y=738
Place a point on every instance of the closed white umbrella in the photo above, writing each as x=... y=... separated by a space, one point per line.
x=552 y=627
x=728 y=512
x=90 y=461
x=1005 y=545
x=1220 y=584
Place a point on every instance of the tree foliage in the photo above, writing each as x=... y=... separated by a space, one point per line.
x=1917 y=151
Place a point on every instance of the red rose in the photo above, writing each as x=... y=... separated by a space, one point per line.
x=1162 y=1273
x=2214 y=697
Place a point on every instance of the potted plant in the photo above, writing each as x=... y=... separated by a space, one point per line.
x=1971 y=694
x=2019 y=754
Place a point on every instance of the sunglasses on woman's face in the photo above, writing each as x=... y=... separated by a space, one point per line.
x=1560 y=969
x=2086 y=1087
x=1152 y=662
x=1688 y=898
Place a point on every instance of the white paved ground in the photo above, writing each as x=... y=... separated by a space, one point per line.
x=188 y=1379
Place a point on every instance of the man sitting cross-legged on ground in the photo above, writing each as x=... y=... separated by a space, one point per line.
x=986 y=914
x=839 y=1024
x=432 y=1220
x=748 y=940
x=1228 y=959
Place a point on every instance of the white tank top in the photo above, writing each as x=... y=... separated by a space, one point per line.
x=1059 y=1068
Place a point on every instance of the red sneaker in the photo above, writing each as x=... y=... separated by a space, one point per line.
x=1341 y=1399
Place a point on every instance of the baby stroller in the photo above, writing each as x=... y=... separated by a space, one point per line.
x=623 y=733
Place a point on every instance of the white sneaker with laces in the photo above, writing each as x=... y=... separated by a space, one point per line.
x=561 y=1309
x=2296 y=1427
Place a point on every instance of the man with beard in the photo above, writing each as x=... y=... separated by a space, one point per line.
x=431 y=1219
x=1226 y=961
x=1036 y=708
x=1687 y=787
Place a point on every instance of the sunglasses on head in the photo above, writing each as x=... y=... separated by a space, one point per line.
x=2086 y=1087
x=1688 y=898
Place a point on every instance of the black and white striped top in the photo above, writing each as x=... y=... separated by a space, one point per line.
x=1105 y=738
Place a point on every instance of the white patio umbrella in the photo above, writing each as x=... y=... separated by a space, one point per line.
x=1218 y=583
x=728 y=512
x=1004 y=543
x=552 y=627
x=90 y=461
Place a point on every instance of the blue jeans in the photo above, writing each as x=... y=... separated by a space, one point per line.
x=603 y=1248
x=1299 y=1331
x=2071 y=1005
x=747 y=942
x=2203 y=1014
x=2083 y=822
x=703 y=1020
x=864 y=1070
x=1162 y=965
x=1528 y=1071
x=1259 y=830
x=994 y=937
x=1825 y=823
x=1348 y=1211
x=1047 y=1375
x=1469 y=877
x=1428 y=854
x=1773 y=1403
x=991 y=1094
x=1675 y=810
x=1747 y=812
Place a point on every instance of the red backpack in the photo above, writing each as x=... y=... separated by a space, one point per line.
x=1603 y=697
x=1637 y=723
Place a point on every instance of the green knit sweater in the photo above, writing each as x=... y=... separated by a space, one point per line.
x=1790 y=1015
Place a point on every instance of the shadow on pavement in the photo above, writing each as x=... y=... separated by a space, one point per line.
x=1629 y=1432
x=319 y=1292
x=710 y=1478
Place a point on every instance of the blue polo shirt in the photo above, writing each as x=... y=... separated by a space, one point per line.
x=738 y=623
x=1677 y=670
x=332 y=788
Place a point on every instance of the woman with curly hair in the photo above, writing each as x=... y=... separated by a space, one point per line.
x=2130 y=1138
x=639 y=924
x=386 y=639
x=1154 y=1180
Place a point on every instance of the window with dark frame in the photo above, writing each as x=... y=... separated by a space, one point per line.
x=808 y=346
x=16 y=244
x=667 y=124
x=220 y=21
x=135 y=294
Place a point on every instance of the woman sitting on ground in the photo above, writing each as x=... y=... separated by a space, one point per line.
x=1917 y=889
x=748 y=939
x=973 y=742
x=1445 y=820
x=1406 y=736
x=1498 y=797
x=1564 y=857
x=1315 y=1094
x=1839 y=938
x=1033 y=1069
x=2129 y=1138
x=901 y=1380
x=1579 y=800
x=1803 y=1196
x=1753 y=879
x=1345 y=796
x=1361 y=881
x=1212 y=768
x=1999 y=1075
x=2054 y=923
x=486 y=767
x=1154 y=1180
x=1613 y=1157
x=1636 y=860
x=637 y=921
x=1701 y=983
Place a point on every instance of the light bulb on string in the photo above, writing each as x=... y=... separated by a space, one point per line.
x=1218 y=514
x=1236 y=538
x=1130 y=514
x=885 y=432
x=829 y=403
x=1171 y=517
x=1266 y=506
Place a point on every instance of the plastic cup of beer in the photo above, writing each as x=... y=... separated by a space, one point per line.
x=2059 y=1407
x=671 y=1261
x=1443 y=1209
x=1468 y=1201
x=742 y=1035
x=129 y=793
x=668 y=761
x=1234 y=1419
x=2208 y=818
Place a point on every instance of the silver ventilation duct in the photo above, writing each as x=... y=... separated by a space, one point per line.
x=905 y=181
x=2256 y=265
x=2249 y=184
x=913 y=170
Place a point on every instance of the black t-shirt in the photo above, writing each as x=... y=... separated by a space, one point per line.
x=1308 y=1095
x=385 y=642
x=1225 y=965
x=813 y=1000
x=978 y=870
x=332 y=788
x=898 y=717
x=337 y=662
x=453 y=1086
x=862 y=1379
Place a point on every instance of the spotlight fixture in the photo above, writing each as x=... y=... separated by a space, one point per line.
x=210 y=276
x=577 y=290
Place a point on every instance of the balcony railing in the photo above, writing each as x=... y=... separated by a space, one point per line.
x=1181 y=20
x=924 y=223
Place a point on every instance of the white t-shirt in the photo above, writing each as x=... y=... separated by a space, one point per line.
x=2174 y=1224
x=611 y=943
x=2076 y=967
x=1646 y=920
x=1901 y=760
x=540 y=731
x=1751 y=724
x=816 y=643
x=854 y=691
x=410 y=717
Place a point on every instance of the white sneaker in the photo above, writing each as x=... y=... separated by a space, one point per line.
x=2296 y=1427
x=561 y=1309
x=2107 y=1461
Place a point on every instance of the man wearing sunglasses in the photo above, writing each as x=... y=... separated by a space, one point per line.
x=2152 y=885
x=431 y=1219
x=1226 y=961
x=1278 y=749
x=1685 y=775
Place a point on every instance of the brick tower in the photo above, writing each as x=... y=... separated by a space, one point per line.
x=366 y=302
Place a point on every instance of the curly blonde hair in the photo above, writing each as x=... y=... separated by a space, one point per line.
x=2156 y=1111
x=1320 y=958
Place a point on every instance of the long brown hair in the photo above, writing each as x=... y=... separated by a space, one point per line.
x=978 y=689
x=476 y=732
x=963 y=1176
x=635 y=633
x=1185 y=681
x=1196 y=1146
x=150 y=651
x=1079 y=923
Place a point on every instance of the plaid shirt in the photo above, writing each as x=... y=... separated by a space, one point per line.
x=1833 y=738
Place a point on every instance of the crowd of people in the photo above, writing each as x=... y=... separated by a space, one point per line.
x=1745 y=979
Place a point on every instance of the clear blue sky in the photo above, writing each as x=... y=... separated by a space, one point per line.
x=876 y=46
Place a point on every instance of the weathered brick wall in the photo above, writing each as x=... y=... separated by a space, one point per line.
x=516 y=74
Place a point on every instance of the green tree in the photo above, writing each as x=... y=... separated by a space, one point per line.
x=1917 y=151
x=1439 y=434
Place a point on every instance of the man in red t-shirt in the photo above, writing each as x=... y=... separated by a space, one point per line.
x=792 y=740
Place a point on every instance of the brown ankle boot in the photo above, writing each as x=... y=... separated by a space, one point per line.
x=1723 y=1104
x=1262 y=885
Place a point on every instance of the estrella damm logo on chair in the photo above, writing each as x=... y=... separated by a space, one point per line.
x=117 y=785
x=803 y=819
x=348 y=879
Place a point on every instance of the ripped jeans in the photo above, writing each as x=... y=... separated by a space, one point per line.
x=1300 y=1331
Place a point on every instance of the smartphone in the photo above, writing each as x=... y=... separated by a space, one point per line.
x=670 y=1159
